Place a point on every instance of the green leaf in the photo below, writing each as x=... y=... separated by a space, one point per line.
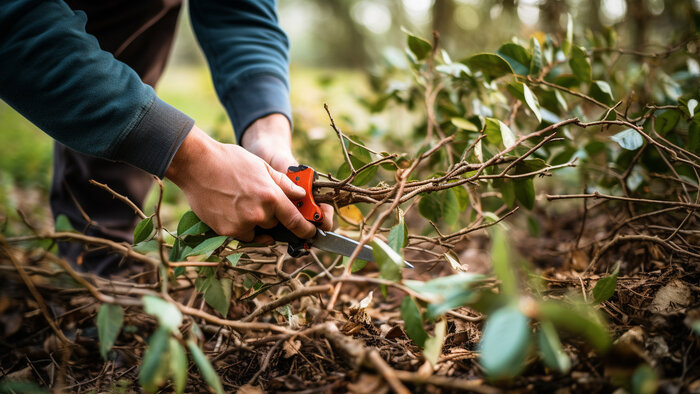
x=561 y=101
x=154 y=367
x=692 y=105
x=525 y=191
x=167 y=314
x=233 y=258
x=605 y=287
x=568 y=42
x=389 y=262
x=580 y=65
x=550 y=348
x=430 y=206
x=666 y=121
x=446 y=293
x=601 y=91
x=363 y=177
x=145 y=247
x=507 y=189
x=109 y=322
x=579 y=319
x=216 y=295
x=645 y=380
x=433 y=344
x=144 y=230
x=205 y=368
x=178 y=365
x=491 y=65
x=398 y=236
x=464 y=124
x=517 y=57
x=536 y=64
x=63 y=224
x=418 y=46
x=357 y=265
x=628 y=139
x=505 y=342
x=498 y=133
x=413 y=323
x=500 y=261
x=207 y=246
x=187 y=220
x=532 y=102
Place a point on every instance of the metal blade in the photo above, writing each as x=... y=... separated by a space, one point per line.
x=335 y=243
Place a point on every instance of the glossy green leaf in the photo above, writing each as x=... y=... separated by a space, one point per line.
x=433 y=344
x=505 y=342
x=517 y=57
x=536 y=63
x=398 y=236
x=666 y=121
x=498 y=133
x=501 y=262
x=418 y=46
x=491 y=65
x=167 y=314
x=63 y=224
x=109 y=322
x=205 y=368
x=207 y=246
x=691 y=106
x=178 y=365
x=568 y=42
x=601 y=91
x=605 y=287
x=389 y=262
x=628 y=139
x=532 y=102
x=578 y=319
x=197 y=229
x=155 y=364
x=464 y=124
x=187 y=220
x=144 y=230
x=413 y=323
x=580 y=65
x=550 y=348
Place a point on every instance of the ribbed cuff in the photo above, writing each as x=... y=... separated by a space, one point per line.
x=152 y=144
x=259 y=96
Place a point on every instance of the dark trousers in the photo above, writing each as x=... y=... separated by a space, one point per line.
x=140 y=34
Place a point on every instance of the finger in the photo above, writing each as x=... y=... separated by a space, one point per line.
x=292 y=191
x=282 y=161
x=328 y=212
x=291 y=218
x=247 y=236
x=264 y=239
x=269 y=223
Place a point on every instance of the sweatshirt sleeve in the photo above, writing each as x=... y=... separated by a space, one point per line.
x=248 y=56
x=55 y=75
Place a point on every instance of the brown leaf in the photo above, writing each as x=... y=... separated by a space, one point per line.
x=291 y=348
x=671 y=298
x=368 y=384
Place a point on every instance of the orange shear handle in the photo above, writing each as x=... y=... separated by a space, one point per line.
x=304 y=176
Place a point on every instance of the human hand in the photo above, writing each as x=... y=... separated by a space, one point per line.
x=270 y=138
x=233 y=191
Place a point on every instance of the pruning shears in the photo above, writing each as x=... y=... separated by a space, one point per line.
x=304 y=177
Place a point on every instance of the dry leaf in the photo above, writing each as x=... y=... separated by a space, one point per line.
x=249 y=389
x=351 y=214
x=671 y=298
x=291 y=348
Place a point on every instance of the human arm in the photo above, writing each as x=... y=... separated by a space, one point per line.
x=55 y=74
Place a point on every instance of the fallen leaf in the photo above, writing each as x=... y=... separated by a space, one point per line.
x=671 y=298
x=291 y=348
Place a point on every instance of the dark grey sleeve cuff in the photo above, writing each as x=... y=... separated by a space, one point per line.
x=254 y=98
x=153 y=142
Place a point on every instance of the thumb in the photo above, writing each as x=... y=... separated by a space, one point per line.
x=292 y=191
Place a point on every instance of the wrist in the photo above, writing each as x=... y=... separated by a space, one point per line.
x=195 y=146
x=274 y=128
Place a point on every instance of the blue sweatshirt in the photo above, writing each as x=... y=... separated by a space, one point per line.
x=55 y=74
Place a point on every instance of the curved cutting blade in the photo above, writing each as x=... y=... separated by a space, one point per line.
x=335 y=243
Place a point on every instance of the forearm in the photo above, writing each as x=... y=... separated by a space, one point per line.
x=56 y=75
